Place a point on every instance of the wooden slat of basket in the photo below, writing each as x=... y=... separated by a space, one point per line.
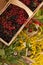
x=4 y=42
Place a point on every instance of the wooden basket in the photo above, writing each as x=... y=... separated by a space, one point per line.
x=30 y=13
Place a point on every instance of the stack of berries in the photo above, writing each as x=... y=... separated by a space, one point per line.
x=32 y=4
x=11 y=20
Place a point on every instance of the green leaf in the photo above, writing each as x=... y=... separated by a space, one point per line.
x=0 y=63
x=38 y=13
x=2 y=52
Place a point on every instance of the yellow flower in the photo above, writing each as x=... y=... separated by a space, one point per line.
x=21 y=41
x=38 y=60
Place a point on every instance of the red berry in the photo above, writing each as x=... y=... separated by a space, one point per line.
x=36 y=21
x=30 y=30
x=27 y=2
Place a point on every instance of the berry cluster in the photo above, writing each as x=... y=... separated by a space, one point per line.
x=11 y=20
x=32 y=4
x=31 y=25
x=27 y=2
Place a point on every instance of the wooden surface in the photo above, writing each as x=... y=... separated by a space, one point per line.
x=2 y=3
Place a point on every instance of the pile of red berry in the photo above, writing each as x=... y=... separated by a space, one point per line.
x=32 y=4
x=11 y=20
x=27 y=2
